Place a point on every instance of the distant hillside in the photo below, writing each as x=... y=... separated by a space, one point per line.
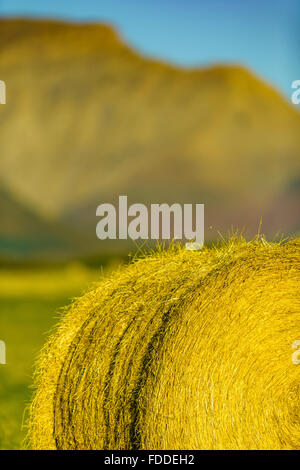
x=87 y=118
x=22 y=232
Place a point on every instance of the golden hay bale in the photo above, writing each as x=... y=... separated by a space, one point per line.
x=180 y=350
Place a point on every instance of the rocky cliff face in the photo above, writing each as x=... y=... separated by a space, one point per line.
x=87 y=118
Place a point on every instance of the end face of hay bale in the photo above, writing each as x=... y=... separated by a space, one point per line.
x=180 y=350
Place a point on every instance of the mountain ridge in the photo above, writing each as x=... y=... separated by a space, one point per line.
x=88 y=118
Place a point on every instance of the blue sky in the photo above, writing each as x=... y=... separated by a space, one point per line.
x=261 y=34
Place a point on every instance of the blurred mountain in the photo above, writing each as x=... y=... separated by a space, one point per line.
x=88 y=118
x=24 y=233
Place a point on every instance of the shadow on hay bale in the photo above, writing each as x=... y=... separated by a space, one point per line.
x=179 y=350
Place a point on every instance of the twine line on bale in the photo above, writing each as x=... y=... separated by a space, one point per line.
x=179 y=350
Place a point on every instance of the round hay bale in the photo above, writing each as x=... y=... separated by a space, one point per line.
x=179 y=350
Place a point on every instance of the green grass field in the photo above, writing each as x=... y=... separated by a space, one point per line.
x=30 y=304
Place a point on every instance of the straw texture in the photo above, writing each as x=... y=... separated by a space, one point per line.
x=179 y=350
